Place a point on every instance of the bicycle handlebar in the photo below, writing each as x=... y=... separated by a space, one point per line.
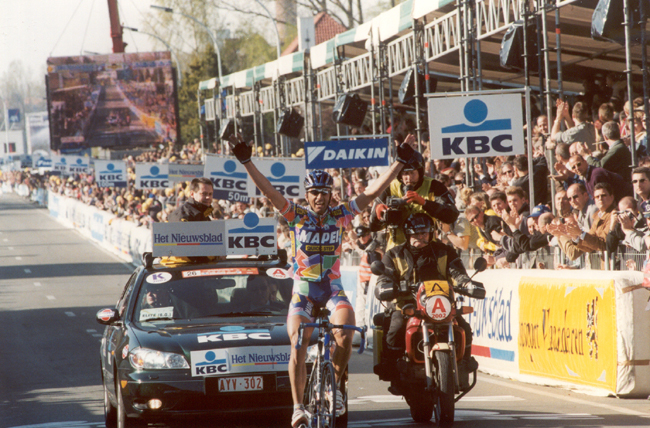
x=361 y=330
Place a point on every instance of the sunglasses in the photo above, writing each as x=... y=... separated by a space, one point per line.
x=574 y=197
x=316 y=192
x=471 y=220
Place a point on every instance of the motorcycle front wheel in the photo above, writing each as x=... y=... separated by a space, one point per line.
x=445 y=400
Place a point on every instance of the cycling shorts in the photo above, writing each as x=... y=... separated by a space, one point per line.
x=308 y=296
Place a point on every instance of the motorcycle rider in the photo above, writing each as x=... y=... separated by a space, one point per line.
x=420 y=259
x=421 y=194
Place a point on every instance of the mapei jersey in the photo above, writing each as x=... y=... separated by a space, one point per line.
x=316 y=241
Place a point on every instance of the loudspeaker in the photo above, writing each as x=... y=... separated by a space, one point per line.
x=607 y=22
x=406 y=92
x=511 y=53
x=227 y=129
x=350 y=110
x=289 y=123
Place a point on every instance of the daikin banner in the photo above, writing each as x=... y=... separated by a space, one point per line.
x=346 y=153
x=476 y=126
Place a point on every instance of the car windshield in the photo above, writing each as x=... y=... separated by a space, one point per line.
x=208 y=293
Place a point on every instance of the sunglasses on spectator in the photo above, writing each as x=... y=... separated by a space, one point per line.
x=316 y=192
x=574 y=197
x=471 y=220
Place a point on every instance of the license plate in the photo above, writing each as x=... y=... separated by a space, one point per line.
x=237 y=384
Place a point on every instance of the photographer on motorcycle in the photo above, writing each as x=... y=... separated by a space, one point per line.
x=420 y=259
x=411 y=192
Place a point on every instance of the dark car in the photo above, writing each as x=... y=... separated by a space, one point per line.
x=197 y=339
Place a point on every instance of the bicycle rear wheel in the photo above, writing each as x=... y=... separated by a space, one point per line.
x=326 y=415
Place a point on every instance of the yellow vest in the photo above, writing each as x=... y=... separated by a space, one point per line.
x=397 y=237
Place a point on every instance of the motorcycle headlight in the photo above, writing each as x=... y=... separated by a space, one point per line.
x=438 y=307
x=149 y=359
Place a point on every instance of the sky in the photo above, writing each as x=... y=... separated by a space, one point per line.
x=33 y=30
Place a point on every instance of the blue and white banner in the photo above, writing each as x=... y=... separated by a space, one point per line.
x=42 y=162
x=476 y=126
x=184 y=172
x=285 y=174
x=251 y=236
x=151 y=176
x=188 y=239
x=68 y=165
x=229 y=178
x=78 y=164
x=110 y=173
x=346 y=153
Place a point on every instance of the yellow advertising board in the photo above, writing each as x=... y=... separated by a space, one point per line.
x=567 y=330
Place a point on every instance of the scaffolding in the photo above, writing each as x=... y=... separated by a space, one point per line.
x=455 y=41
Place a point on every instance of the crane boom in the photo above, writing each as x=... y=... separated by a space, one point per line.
x=116 y=27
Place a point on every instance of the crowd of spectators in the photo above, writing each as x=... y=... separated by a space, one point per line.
x=589 y=201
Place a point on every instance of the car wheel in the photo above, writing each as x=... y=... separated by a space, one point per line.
x=110 y=412
x=123 y=421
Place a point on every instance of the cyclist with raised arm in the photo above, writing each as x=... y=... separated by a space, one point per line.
x=316 y=249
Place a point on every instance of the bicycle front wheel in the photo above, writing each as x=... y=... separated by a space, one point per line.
x=326 y=414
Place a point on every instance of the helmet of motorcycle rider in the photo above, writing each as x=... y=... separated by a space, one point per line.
x=416 y=163
x=318 y=179
x=418 y=223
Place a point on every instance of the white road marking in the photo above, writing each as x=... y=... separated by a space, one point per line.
x=473 y=415
x=564 y=397
x=70 y=314
x=50 y=297
x=70 y=424
x=37 y=284
x=5 y=240
x=10 y=248
x=91 y=330
x=18 y=258
x=399 y=399
x=28 y=271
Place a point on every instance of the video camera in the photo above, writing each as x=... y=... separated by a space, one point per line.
x=393 y=216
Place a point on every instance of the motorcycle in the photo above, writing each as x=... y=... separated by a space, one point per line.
x=428 y=375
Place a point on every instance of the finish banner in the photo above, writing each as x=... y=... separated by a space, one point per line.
x=567 y=330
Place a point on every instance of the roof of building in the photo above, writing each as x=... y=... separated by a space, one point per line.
x=325 y=28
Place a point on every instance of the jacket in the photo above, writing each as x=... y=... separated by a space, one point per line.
x=617 y=159
x=191 y=211
x=439 y=205
x=594 y=240
x=436 y=261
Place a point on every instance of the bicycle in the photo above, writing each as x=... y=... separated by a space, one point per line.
x=321 y=390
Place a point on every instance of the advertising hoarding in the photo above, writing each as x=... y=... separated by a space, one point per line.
x=115 y=100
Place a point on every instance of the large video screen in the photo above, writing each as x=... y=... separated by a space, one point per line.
x=116 y=100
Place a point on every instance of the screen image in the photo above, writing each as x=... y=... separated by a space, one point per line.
x=115 y=100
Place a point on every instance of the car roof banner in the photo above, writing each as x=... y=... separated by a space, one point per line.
x=346 y=153
x=476 y=126
x=250 y=236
